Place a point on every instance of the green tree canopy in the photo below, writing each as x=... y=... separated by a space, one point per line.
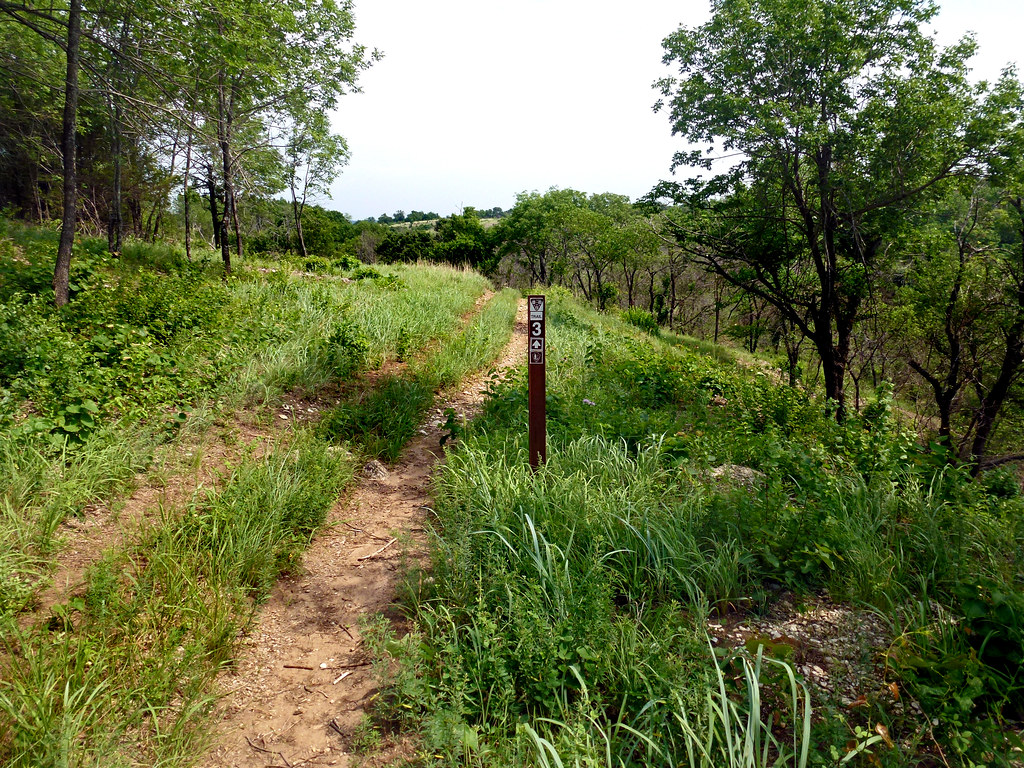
x=832 y=118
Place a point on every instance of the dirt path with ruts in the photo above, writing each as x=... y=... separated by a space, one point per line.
x=303 y=681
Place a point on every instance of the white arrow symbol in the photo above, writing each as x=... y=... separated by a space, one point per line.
x=536 y=343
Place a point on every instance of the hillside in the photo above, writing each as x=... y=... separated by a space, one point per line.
x=235 y=537
x=171 y=444
x=710 y=570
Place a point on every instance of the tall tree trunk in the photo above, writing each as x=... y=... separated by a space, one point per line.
x=211 y=187
x=833 y=364
x=224 y=125
x=186 y=207
x=62 y=269
x=297 y=213
x=988 y=411
x=149 y=232
x=234 y=220
x=115 y=224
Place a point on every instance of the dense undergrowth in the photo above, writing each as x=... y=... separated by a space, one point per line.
x=153 y=352
x=564 y=620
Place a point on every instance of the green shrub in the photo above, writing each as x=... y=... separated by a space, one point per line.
x=366 y=273
x=345 y=349
x=317 y=264
x=642 y=319
x=345 y=262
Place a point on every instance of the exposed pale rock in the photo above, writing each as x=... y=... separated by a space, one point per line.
x=738 y=474
x=374 y=468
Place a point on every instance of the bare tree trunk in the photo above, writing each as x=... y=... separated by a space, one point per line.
x=297 y=212
x=211 y=187
x=234 y=220
x=62 y=269
x=186 y=206
x=115 y=224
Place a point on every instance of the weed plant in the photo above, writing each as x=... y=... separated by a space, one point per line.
x=421 y=304
x=383 y=419
x=476 y=345
x=574 y=599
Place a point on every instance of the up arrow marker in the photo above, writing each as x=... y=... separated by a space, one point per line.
x=536 y=343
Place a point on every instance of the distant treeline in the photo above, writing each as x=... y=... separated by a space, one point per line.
x=414 y=217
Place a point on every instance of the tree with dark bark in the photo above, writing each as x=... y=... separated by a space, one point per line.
x=69 y=217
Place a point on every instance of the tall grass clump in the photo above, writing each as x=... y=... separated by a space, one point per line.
x=382 y=419
x=477 y=344
x=421 y=303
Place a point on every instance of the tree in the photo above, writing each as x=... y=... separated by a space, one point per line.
x=461 y=239
x=838 y=116
x=1005 y=167
x=69 y=217
x=313 y=158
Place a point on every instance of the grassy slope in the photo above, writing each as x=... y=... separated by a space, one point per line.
x=122 y=672
x=565 y=612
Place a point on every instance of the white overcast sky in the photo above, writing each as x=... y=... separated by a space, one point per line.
x=475 y=102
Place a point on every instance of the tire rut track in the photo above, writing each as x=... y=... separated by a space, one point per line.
x=302 y=681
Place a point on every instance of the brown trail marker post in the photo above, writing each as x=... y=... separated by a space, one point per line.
x=536 y=306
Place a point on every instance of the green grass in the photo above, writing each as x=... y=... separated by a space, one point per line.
x=383 y=419
x=563 y=619
x=152 y=346
x=124 y=673
x=153 y=349
x=428 y=306
x=476 y=345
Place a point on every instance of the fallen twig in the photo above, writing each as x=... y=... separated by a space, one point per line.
x=352 y=666
x=269 y=752
x=367 y=557
x=340 y=677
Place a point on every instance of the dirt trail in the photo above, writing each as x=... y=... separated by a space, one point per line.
x=303 y=681
x=179 y=470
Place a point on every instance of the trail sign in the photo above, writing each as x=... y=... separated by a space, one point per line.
x=536 y=306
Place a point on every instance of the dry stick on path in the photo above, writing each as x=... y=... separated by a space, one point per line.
x=367 y=557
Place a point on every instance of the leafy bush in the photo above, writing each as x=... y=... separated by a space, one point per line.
x=317 y=264
x=642 y=319
x=345 y=262
x=345 y=349
x=366 y=273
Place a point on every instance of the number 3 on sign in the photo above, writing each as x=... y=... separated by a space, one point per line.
x=535 y=329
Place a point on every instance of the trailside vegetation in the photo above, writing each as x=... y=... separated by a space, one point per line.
x=141 y=104
x=566 y=615
x=153 y=359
